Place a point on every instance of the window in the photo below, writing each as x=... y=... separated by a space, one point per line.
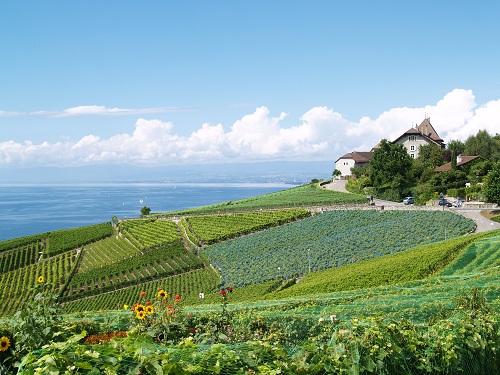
x=412 y=138
x=412 y=148
x=413 y=156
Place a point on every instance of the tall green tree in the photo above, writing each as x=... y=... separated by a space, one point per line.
x=484 y=145
x=390 y=170
x=429 y=157
x=491 y=187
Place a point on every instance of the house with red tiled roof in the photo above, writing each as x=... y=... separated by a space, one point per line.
x=420 y=135
x=352 y=159
x=461 y=161
x=412 y=139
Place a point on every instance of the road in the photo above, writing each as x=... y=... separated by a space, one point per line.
x=483 y=224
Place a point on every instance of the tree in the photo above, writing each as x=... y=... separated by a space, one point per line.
x=390 y=170
x=336 y=173
x=429 y=157
x=484 y=145
x=491 y=187
x=145 y=210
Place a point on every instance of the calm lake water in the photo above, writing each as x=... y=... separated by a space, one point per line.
x=27 y=209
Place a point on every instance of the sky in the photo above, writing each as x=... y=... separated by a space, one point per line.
x=199 y=82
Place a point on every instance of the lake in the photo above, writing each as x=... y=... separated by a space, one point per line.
x=31 y=209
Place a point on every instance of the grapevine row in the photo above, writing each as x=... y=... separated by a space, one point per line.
x=15 y=285
x=188 y=285
x=214 y=228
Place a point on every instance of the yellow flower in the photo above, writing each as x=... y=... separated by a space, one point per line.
x=162 y=294
x=125 y=307
x=139 y=308
x=140 y=315
x=41 y=279
x=149 y=309
x=4 y=343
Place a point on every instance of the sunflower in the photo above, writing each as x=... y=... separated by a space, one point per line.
x=140 y=315
x=149 y=309
x=162 y=294
x=4 y=343
x=139 y=308
x=41 y=279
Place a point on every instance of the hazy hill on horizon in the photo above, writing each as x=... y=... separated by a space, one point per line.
x=290 y=172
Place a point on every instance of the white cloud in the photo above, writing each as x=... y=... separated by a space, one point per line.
x=96 y=110
x=320 y=134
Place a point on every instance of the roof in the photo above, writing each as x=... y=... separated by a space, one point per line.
x=447 y=167
x=427 y=129
x=358 y=156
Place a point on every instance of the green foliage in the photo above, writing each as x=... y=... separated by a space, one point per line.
x=187 y=284
x=328 y=240
x=68 y=239
x=492 y=185
x=463 y=342
x=145 y=211
x=15 y=285
x=147 y=234
x=300 y=196
x=410 y=265
x=163 y=261
x=484 y=145
x=214 y=228
x=429 y=157
x=390 y=170
x=358 y=185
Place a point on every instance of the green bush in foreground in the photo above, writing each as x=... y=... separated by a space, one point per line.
x=162 y=339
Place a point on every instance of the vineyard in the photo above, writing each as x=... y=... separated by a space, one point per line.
x=330 y=239
x=106 y=260
x=208 y=229
x=310 y=195
x=284 y=291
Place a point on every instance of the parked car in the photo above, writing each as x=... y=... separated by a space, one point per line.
x=409 y=200
x=444 y=202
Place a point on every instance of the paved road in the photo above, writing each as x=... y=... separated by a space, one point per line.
x=483 y=224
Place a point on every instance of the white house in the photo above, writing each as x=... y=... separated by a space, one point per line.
x=420 y=135
x=352 y=159
x=412 y=139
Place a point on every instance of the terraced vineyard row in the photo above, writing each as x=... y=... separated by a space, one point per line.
x=300 y=196
x=188 y=285
x=105 y=252
x=146 y=234
x=168 y=260
x=479 y=257
x=329 y=240
x=21 y=241
x=208 y=229
x=15 y=285
x=20 y=257
x=69 y=239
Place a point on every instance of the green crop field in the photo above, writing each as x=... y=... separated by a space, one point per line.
x=300 y=196
x=293 y=291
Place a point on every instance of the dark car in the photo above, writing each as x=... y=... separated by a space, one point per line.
x=444 y=202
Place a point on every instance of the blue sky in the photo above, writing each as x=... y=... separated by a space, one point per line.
x=169 y=82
